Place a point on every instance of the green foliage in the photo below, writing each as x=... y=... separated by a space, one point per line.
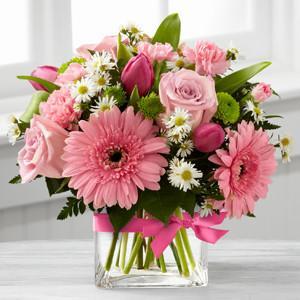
x=49 y=86
x=73 y=206
x=228 y=108
x=33 y=106
x=234 y=81
x=168 y=31
x=119 y=217
x=56 y=186
x=151 y=106
x=266 y=125
x=117 y=93
x=64 y=66
x=123 y=53
x=162 y=204
x=134 y=98
x=209 y=189
x=16 y=180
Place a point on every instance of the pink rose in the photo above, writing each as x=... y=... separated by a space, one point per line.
x=60 y=109
x=41 y=155
x=138 y=72
x=188 y=90
x=261 y=92
x=48 y=73
x=74 y=72
x=108 y=44
x=208 y=57
x=157 y=52
x=208 y=137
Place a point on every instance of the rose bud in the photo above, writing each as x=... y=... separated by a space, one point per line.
x=138 y=72
x=261 y=92
x=208 y=137
x=48 y=73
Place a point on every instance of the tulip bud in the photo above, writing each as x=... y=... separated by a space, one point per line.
x=138 y=72
x=48 y=73
x=208 y=137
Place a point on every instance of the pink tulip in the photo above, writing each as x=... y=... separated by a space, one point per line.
x=138 y=72
x=208 y=137
x=48 y=73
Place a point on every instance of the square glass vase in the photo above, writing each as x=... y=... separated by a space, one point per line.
x=125 y=260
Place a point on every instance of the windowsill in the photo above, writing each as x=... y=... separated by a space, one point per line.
x=284 y=82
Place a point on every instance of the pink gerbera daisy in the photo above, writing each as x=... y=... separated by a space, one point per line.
x=115 y=154
x=245 y=169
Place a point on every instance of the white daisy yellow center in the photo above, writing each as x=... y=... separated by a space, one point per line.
x=186 y=175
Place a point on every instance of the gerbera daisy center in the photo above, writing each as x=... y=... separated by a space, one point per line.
x=115 y=156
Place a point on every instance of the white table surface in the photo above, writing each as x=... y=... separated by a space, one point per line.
x=64 y=270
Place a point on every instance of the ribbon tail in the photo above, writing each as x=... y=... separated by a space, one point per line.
x=164 y=238
x=209 y=235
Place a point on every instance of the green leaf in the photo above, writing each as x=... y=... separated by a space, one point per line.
x=119 y=217
x=234 y=81
x=168 y=31
x=56 y=186
x=273 y=116
x=123 y=53
x=33 y=107
x=134 y=97
x=72 y=207
x=49 y=86
x=269 y=126
x=188 y=203
x=161 y=204
x=16 y=180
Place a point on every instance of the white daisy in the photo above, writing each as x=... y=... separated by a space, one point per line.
x=286 y=142
x=133 y=32
x=256 y=112
x=101 y=80
x=177 y=64
x=175 y=137
x=206 y=209
x=83 y=90
x=103 y=104
x=100 y=62
x=184 y=175
x=13 y=133
x=185 y=148
x=179 y=121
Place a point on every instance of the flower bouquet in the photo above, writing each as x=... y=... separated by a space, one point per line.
x=159 y=140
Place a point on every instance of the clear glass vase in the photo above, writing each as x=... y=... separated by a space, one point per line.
x=125 y=260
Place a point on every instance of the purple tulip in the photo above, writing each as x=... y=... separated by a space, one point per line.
x=208 y=137
x=48 y=73
x=138 y=72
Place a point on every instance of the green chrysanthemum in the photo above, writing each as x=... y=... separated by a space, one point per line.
x=228 y=108
x=117 y=93
x=64 y=66
x=150 y=106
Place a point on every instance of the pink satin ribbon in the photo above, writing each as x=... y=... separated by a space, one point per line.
x=164 y=234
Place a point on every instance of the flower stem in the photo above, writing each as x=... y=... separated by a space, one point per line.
x=123 y=250
x=118 y=256
x=186 y=241
x=162 y=264
x=134 y=252
x=177 y=260
x=140 y=259
x=111 y=251
x=149 y=254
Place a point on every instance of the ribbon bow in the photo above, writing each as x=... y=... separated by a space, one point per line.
x=164 y=234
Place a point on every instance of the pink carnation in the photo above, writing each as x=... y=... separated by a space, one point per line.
x=261 y=92
x=74 y=72
x=208 y=57
x=41 y=155
x=245 y=169
x=115 y=154
x=157 y=52
x=60 y=108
